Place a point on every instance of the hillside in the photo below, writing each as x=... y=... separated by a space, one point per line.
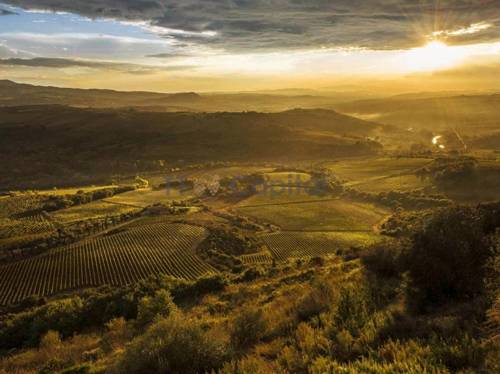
x=15 y=94
x=60 y=143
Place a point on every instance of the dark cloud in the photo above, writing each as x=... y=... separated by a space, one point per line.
x=55 y=63
x=278 y=24
x=59 y=63
x=170 y=55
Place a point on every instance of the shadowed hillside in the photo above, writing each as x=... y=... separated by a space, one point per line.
x=83 y=144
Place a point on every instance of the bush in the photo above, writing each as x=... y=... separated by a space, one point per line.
x=173 y=345
x=253 y=273
x=384 y=259
x=248 y=328
x=26 y=329
x=318 y=300
x=160 y=305
x=447 y=257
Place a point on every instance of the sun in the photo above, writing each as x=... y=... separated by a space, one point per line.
x=433 y=56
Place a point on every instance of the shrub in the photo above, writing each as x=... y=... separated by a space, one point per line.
x=384 y=259
x=159 y=305
x=173 y=345
x=253 y=273
x=447 y=257
x=248 y=328
x=50 y=341
x=318 y=300
x=248 y=365
x=63 y=316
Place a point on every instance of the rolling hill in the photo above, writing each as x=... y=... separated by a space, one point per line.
x=16 y=94
x=48 y=144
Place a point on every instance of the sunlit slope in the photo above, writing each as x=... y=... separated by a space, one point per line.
x=470 y=113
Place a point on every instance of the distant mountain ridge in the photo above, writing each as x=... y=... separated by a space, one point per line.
x=16 y=94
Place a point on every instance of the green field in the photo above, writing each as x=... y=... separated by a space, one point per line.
x=285 y=245
x=118 y=259
x=328 y=215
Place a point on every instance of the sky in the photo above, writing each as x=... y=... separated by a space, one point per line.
x=244 y=45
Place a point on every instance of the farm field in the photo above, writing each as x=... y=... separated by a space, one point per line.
x=93 y=210
x=367 y=169
x=117 y=259
x=74 y=190
x=14 y=205
x=219 y=172
x=283 y=195
x=285 y=245
x=256 y=258
x=329 y=215
x=399 y=183
x=144 y=197
x=35 y=224
x=292 y=179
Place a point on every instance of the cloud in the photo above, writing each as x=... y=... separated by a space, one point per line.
x=8 y=52
x=472 y=29
x=242 y=25
x=5 y=12
x=60 y=63
x=85 y=45
x=170 y=55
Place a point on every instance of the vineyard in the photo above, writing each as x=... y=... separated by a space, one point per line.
x=117 y=259
x=285 y=245
x=256 y=258
x=12 y=206
x=35 y=224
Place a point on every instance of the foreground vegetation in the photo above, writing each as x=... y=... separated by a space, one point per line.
x=424 y=302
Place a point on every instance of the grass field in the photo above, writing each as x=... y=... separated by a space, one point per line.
x=93 y=210
x=285 y=245
x=118 y=259
x=331 y=215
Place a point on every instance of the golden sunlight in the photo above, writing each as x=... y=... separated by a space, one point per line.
x=435 y=55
